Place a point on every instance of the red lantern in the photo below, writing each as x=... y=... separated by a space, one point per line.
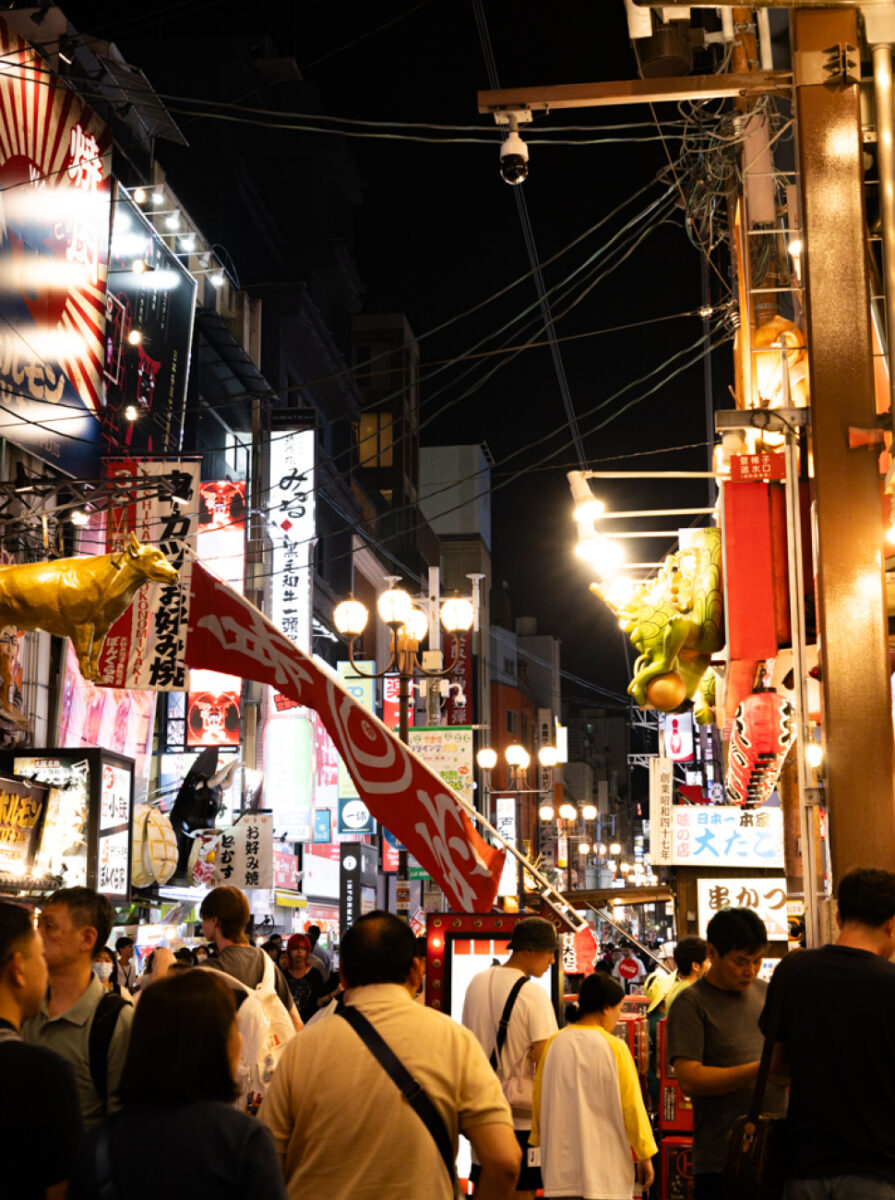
x=763 y=731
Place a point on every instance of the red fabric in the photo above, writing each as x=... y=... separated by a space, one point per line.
x=399 y=789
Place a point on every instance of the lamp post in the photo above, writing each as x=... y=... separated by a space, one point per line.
x=409 y=624
x=518 y=760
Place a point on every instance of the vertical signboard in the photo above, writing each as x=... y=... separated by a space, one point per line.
x=458 y=707
x=544 y=737
x=55 y=205
x=145 y=647
x=213 y=704
x=292 y=521
x=149 y=329
x=354 y=816
x=505 y=823
x=357 y=882
x=661 y=788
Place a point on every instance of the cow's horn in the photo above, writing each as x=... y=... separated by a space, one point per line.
x=134 y=542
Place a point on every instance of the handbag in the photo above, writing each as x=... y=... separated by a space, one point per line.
x=518 y=1088
x=755 y=1168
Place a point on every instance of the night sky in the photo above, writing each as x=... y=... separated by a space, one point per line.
x=439 y=231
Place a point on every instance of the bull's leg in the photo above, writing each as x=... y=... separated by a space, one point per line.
x=82 y=640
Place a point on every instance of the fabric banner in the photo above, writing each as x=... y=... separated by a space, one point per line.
x=399 y=790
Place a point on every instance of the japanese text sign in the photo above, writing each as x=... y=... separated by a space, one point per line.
x=726 y=836
x=766 y=897
x=661 y=822
x=245 y=854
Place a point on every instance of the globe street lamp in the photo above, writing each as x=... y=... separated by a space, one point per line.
x=518 y=761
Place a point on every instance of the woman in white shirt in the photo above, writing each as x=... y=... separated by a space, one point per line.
x=588 y=1108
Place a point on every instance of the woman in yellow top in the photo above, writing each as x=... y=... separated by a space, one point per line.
x=588 y=1109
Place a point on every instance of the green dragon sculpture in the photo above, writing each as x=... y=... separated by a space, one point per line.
x=675 y=622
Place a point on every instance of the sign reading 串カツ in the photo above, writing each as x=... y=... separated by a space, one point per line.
x=55 y=204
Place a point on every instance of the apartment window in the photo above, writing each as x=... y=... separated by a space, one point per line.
x=375 y=440
x=511 y=720
x=524 y=729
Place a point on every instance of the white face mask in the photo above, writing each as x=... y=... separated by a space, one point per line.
x=103 y=971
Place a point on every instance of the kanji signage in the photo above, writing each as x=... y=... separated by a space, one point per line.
x=661 y=790
x=749 y=467
x=726 y=836
x=448 y=751
x=22 y=809
x=245 y=853
x=766 y=897
x=292 y=515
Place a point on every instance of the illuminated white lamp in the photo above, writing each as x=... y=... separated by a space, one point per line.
x=589 y=812
x=457 y=615
x=416 y=626
x=568 y=812
x=216 y=279
x=138 y=266
x=620 y=590
x=625 y=868
x=517 y=756
x=79 y=517
x=131 y=412
x=795 y=247
x=135 y=337
x=172 y=220
x=814 y=754
x=139 y=195
x=486 y=758
x=603 y=554
x=548 y=756
x=614 y=849
x=546 y=812
x=350 y=617
x=589 y=510
x=158 y=198
x=583 y=848
x=602 y=849
x=395 y=607
x=187 y=240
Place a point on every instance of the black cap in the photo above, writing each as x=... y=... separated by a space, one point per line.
x=533 y=933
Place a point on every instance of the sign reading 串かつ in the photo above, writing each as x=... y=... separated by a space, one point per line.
x=726 y=836
x=766 y=897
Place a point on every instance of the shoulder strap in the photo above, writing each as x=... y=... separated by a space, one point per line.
x=410 y=1088
x=102 y=1030
x=770 y=1037
x=504 y=1024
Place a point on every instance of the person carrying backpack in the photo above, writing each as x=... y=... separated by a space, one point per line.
x=266 y=1013
x=83 y=1023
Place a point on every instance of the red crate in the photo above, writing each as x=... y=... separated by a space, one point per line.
x=675 y=1110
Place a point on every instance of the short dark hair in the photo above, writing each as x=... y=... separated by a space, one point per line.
x=16 y=926
x=178 y=1052
x=736 y=929
x=313 y=933
x=866 y=895
x=688 y=952
x=122 y=942
x=378 y=948
x=231 y=908
x=184 y=954
x=599 y=992
x=88 y=909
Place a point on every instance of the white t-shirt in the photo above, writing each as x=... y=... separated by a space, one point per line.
x=532 y=1020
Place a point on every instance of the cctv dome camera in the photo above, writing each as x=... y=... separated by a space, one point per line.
x=513 y=159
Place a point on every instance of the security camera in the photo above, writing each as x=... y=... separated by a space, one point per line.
x=513 y=159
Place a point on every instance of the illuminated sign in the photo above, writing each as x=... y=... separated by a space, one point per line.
x=766 y=897
x=715 y=835
x=448 y=752
x=21 y=812
x=55 y=197
x=291 y=518
x=661 y=816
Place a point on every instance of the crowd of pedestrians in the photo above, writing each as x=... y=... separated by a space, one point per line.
x=222 y=1075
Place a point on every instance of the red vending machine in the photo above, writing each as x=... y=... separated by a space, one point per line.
x=677 y=1168
x=675 y=1110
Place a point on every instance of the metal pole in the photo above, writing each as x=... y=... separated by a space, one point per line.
x=885 y=132
x=405 y=691
x=800 y=686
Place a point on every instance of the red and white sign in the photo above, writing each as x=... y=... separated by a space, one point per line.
x=399 y=789
x=629 y=968
x=285 y=870
x=749 y=467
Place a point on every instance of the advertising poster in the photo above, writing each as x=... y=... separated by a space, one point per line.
x=157 y=301
x=55 y=215
x=21 y=816
x=766 y=897
x=448 y=752
x=214 y=700
x=145 y=646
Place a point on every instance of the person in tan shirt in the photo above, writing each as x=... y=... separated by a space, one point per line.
x=340 y=1124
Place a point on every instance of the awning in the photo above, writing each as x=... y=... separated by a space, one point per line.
x=616 y=897
x=290 y=900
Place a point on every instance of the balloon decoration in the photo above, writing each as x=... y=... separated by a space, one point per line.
x=763 y=731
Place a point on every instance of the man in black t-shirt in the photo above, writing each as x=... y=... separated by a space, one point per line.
x=837 y=1045
x=40 y=1117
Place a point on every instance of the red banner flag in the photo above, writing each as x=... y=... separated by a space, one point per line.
x=401 y=792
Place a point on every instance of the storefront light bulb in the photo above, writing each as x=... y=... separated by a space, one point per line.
x=814 y=754
x=614 y=849
x=187 y=241
x=546 y=812
x=135 y=337
x=568 y=812
x=172 y=221
x=158 y=199
x=589 y=510
x=79 y=517
x=487 y=758
x=583 y=848
x=131 y=412
x=138 y=266
x=216 y=279
x=603 y=554
x=589 y=812
x=139 y=196
x=548 y=756
x=795 y=247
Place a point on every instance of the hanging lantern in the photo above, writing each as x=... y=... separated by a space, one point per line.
x=763 y=731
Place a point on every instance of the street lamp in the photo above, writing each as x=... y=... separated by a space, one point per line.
x=409 y=626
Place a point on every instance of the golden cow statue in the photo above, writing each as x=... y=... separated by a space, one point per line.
x=80 y=598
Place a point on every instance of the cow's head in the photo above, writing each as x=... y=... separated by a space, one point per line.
x=149 y=561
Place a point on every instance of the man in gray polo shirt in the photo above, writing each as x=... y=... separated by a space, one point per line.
x=714 y=1042
x=74 y=925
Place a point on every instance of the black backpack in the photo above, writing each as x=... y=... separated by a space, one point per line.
x=102 y=1030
